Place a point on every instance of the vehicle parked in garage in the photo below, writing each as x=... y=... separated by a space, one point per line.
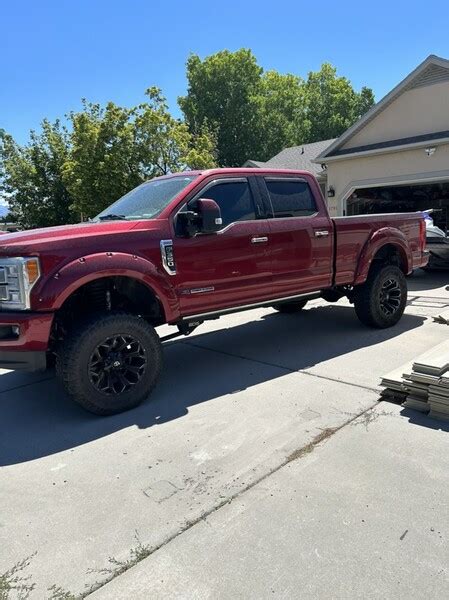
x=437 y=243
x=182 y=249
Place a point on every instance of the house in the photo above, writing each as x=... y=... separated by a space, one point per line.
x=395 y=158
x=298 y=157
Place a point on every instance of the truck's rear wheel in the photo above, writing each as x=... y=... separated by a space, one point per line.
x=381 y=300
x=110 y=363
x=290 y=307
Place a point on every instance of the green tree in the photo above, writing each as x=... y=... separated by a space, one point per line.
x=165 y=144
x=233 y=111
x=256 y=114
x=64 y=174
x=222 y=96
x=31 y=177
x=103 y=162
x=114 y=149
x=281 y=114
x=332 y=103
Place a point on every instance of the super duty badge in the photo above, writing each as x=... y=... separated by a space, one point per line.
x=168 y=259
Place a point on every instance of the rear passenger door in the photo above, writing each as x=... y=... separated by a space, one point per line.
x=300 y=235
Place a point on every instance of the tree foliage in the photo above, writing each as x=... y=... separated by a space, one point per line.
x=233 y=111
x=222 y=95
x=32 y=178
x=257 y=114
x=101 y=165
x=332 y=103
x=165 y=144
x=64 y=174
x=281 y=114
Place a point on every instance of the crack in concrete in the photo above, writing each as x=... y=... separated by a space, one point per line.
x=310 y=447
x=324 y=435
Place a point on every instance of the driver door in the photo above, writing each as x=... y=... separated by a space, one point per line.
x=231 y=267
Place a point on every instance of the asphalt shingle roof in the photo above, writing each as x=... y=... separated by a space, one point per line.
x=296 y=157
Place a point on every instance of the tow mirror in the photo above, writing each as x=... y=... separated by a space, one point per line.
x=210 y=215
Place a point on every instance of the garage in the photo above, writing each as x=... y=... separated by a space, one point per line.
x=396 y=157
x=403 y=198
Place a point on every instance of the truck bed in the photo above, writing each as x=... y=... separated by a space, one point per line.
x=353 y=233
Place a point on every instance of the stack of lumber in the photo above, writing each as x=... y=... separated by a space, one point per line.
x=435 y=362
x=439 y=399
x=422 y=384
x=417 y=393
x=393 y=383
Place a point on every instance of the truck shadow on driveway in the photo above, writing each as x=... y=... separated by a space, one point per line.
x=427 y=281
x=37 y=419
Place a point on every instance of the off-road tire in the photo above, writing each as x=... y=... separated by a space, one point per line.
x=290 y=307
x=74 y=359
x=373 y=305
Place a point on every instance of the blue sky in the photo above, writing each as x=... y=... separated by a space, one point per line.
x=54 y=52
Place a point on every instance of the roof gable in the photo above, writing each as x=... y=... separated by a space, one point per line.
x=296 y=157
x=431 y=71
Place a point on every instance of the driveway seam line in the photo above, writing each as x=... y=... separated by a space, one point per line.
x=23 y=385
x=325 y=435
x=288 y=369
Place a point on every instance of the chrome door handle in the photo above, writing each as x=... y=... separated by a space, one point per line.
x=322 y=233
x=259 y=240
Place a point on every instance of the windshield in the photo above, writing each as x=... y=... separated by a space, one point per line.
x=147 y=200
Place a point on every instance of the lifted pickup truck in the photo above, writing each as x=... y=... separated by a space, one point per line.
x=181 y=249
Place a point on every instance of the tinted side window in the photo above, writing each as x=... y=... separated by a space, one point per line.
x=234 y=200
x=290 y=198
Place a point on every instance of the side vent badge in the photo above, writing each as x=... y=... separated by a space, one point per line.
x=168 y=258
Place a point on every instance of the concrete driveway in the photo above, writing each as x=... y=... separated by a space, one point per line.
x=264 y=436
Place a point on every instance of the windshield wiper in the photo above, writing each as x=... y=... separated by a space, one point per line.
x=112 y=217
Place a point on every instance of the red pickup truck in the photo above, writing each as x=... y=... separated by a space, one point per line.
x=182 y=249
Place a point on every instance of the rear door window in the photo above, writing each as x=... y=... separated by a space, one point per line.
x=290 y=198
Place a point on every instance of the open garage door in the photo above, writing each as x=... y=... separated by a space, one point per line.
x=403 y=198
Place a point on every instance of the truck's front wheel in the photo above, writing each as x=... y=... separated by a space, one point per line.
x=381 y=300
x=110 y=362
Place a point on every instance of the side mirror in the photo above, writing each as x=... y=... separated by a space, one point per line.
x=210 y=215
x=187 y=223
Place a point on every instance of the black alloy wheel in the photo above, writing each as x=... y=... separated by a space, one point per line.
x=381 y=300
x=110 y=362
x=117 y=364
x=390 y=296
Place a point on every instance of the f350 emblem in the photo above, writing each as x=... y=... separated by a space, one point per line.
x=168 y=257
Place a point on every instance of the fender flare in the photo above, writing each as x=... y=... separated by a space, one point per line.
x=55 y=289
x=380 y=238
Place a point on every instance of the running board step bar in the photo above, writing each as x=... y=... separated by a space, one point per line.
x=216 y=314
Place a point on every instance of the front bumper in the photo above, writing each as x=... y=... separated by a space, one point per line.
x=23 y=361
x=24 y=338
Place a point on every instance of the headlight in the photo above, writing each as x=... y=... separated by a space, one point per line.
x=17 y=277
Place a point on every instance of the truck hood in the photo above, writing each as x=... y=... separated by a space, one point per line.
x=39 y=240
